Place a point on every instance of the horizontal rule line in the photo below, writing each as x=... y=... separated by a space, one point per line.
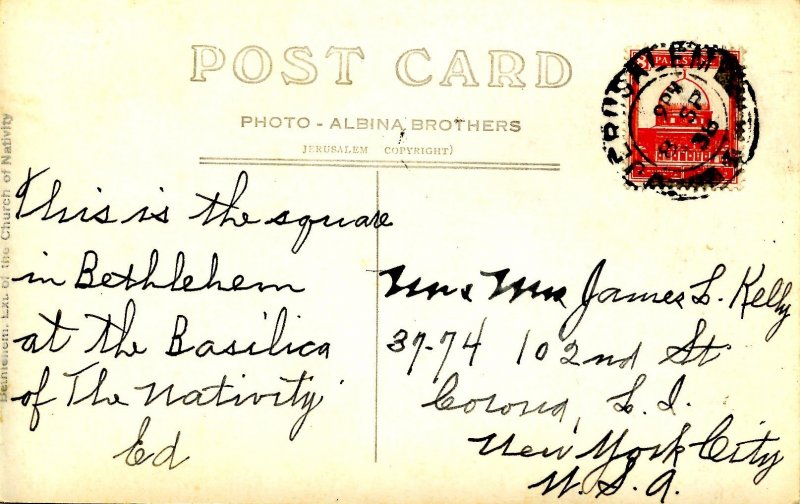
x=381 y=163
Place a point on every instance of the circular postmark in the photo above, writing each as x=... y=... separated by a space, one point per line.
x=681 y=119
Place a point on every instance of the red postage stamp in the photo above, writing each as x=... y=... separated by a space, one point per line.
x=680 y=118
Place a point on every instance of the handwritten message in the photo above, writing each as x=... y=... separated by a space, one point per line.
x=573 y=378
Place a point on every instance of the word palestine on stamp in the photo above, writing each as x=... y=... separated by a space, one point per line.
x=681 y=119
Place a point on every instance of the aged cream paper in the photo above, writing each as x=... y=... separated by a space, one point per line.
x=399 y=252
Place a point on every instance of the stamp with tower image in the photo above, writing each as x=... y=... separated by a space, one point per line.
x=681 y=119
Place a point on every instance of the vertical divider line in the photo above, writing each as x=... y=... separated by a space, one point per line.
x=377 y=304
